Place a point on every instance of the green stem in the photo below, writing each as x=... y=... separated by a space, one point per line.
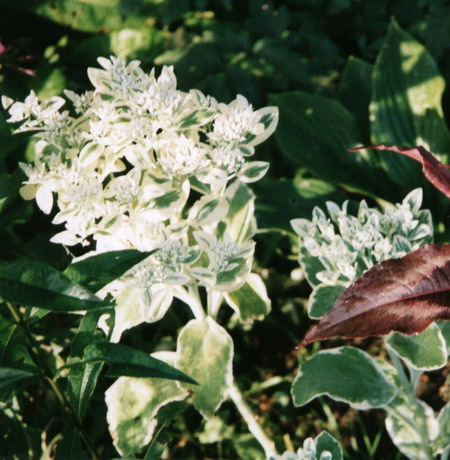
x=214 y=299
x=419 y=423
x=36 y=354
x=191 y=297
x=250 y=419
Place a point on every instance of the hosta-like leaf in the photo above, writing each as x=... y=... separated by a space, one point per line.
x=436 y=172
x=403 y=295
x=345 y=374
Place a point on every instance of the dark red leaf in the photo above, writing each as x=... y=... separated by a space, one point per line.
x=403 y=295
x=435 y=171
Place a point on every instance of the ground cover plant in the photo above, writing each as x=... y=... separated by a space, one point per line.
x=171 y=234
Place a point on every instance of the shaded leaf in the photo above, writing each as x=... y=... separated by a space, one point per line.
x=345 y=374
x=300 y=137
x=35 y=284
x=325 y=442
x=354 y=91
x=11 y=378
x=403 y=295
x=436 y=172
x=127 y=361
x=99 y=270
x=81 y=380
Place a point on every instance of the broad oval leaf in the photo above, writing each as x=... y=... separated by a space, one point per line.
x=133 y=405
x=205 y=350
x=426 y=351
x=403 y=295
x=345 y=374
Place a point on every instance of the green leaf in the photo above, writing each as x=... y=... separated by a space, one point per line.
x=82 y=380
x=443 y=440
x=404 y=424
x=326 y=442
x=99 y=270
x=426 y=351
x=205 y=350
x=282 y=200
x=70 y=447
x=315 y=132
x=322 y=299
x=444 y=326
x=92 y=15
x=250 y=301
x=354 y=91
x=35 y=284
x=345 y=374
x=253 y=171
x=127 y=361
x=133 y=405
x=406 y=104
x=13 y=379
x=240 y=221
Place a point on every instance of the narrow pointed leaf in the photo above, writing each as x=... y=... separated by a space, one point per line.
x=127 y=361
x=403 y=295
x=101 y=269
x=35 y=284
x=435 y=171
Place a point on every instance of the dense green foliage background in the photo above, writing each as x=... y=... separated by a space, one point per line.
x=312 y=58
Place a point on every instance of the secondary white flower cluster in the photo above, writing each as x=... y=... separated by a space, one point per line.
x=307 y=452
x=138 y=164
x=341 y=247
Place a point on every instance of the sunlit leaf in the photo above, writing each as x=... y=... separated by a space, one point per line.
x=426 y=351
x=133 y=405
x=345 y=374
x=205 y=351
x=403 y=295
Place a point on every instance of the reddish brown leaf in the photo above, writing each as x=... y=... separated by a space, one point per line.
x=435 y=171
x=403 y=295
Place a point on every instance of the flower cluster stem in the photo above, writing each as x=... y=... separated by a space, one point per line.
x=250 y=419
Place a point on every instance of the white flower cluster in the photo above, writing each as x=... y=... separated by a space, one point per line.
x=307 y=452
x=138 y=164
x=341 y=247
